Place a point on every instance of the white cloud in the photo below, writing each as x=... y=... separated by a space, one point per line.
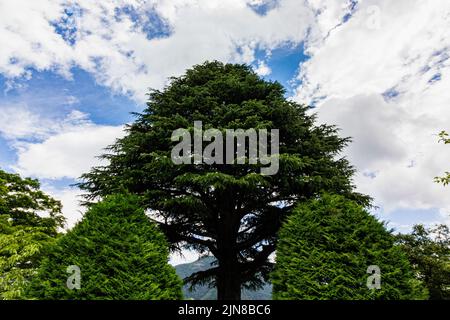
x=186 y=256
x=396 y=157
x=121 y=54
x=383 y=77
x=28 y=39
x=357 y=58
x=263 y=69
x=71 y=100
x=70 y=199
x=55 y=148
x=67 y=154
x=17 y=121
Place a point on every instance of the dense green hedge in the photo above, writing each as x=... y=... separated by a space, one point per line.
x=325 y=249
x=121 y=255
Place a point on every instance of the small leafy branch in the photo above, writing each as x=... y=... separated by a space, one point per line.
x=444 y=137
x=445 y=180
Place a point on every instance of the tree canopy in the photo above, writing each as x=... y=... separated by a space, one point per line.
x=230 y=210
x=119 y=253
x=23 y=201
x=21 y=250
x=428 y=249
x=29 y=222
x=326 y=248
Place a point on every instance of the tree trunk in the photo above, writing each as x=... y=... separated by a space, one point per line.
x=228 y=277
x=228 y=280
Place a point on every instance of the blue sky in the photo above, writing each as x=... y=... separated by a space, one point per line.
x=55 y=95
x=284 y=63
x=71 y=73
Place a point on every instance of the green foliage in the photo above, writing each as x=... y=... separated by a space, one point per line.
x=445 y=180
x=24 y=202
x=231 y=211
x=121 y=255
x=325 y=249
x=21 y=248
x=428 y=249
x=444 y=137
x=24 y=232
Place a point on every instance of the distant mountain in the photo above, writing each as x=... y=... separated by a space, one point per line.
x=205 y=293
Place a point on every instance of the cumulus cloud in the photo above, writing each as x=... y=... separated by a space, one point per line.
x=67 y=154
x=70 y=198
x=385 y=45
x=263 y=69
x=55 y=148
x=382 y=74
x=17 y=121
x=131 y=45
x=28 y=39
x=396 y=156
